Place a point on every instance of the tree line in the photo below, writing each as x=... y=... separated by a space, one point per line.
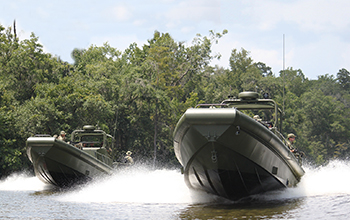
x=138 y=95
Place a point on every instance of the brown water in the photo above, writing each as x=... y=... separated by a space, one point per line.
x=141 y=193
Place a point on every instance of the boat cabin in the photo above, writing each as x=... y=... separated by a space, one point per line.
x=94 y=142
x=89 y=137
x=249 y=103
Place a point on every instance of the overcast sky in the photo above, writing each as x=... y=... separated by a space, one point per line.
x=317 y=32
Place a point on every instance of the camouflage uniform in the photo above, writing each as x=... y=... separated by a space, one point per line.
x=62 y=136
x=128 y=158
x=295 y=151
x=288 y=143
x=257 y=118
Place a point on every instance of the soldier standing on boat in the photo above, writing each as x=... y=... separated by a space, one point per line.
x=128 y=158
x=290 y=142
x=257 y=118
x=62 y=136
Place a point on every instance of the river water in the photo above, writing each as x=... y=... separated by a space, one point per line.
x=142 y=193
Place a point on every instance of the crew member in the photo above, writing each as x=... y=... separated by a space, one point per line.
x=62 y=136
x=290 y=142
x=257 y=118
x=128 y=158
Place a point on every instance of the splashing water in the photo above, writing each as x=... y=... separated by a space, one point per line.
x=331 y=179
x=134 y=185
x=143 y=185
x=327 y=180
x=22 y=182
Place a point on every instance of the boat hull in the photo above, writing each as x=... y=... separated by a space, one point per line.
x=59 y=163
x=227 y=153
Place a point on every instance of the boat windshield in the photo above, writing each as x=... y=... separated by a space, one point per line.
x=92 y=138
x=89 y=140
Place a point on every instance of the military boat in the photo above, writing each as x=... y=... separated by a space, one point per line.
x=226 y=151
x=64 y=164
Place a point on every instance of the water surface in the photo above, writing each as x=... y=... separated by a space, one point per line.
x=142 y=193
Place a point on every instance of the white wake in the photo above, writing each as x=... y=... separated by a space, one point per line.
x=144 y=185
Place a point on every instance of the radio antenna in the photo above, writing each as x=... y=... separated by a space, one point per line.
x=283 y=71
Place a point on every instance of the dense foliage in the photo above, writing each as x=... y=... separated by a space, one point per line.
x=139 y=94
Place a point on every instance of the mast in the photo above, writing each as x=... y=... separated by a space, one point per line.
x=14 y=29
x=283 y=73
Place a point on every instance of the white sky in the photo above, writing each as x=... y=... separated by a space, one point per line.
x=317 y=34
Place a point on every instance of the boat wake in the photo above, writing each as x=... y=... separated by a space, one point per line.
x=22 y=182
x=135 y=184
x=143 y=185
x=331 y=179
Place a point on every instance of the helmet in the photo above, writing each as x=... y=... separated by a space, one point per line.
x=291 y=135
x=256 y=117
x=128 y=153
x=62 y=132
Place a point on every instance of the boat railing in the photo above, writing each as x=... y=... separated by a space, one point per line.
x=98 y=152
x=42 y=135
x=279 y=135
x=210 y=105
x=91 y=143
x=105 y=159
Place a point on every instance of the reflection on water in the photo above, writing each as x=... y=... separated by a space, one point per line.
x=249 y=209
x=47 y=192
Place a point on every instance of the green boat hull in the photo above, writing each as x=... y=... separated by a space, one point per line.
x=61 y=164
x=227 y=153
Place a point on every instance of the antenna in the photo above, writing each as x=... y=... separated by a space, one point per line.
x=283 y=72
x=14 y=29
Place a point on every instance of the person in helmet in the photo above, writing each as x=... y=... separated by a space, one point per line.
x=298 y=154
x=290 y=141
x=128 y=158
x=62 y=136
x=257 y=118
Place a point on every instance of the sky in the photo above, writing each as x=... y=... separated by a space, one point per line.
x=315 y=33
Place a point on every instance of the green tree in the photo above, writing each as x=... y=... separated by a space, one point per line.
x=324 y=123
x=343 y=77
x=264 y=69
x=10 y=153
x=294 y=81
x=243 y=75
